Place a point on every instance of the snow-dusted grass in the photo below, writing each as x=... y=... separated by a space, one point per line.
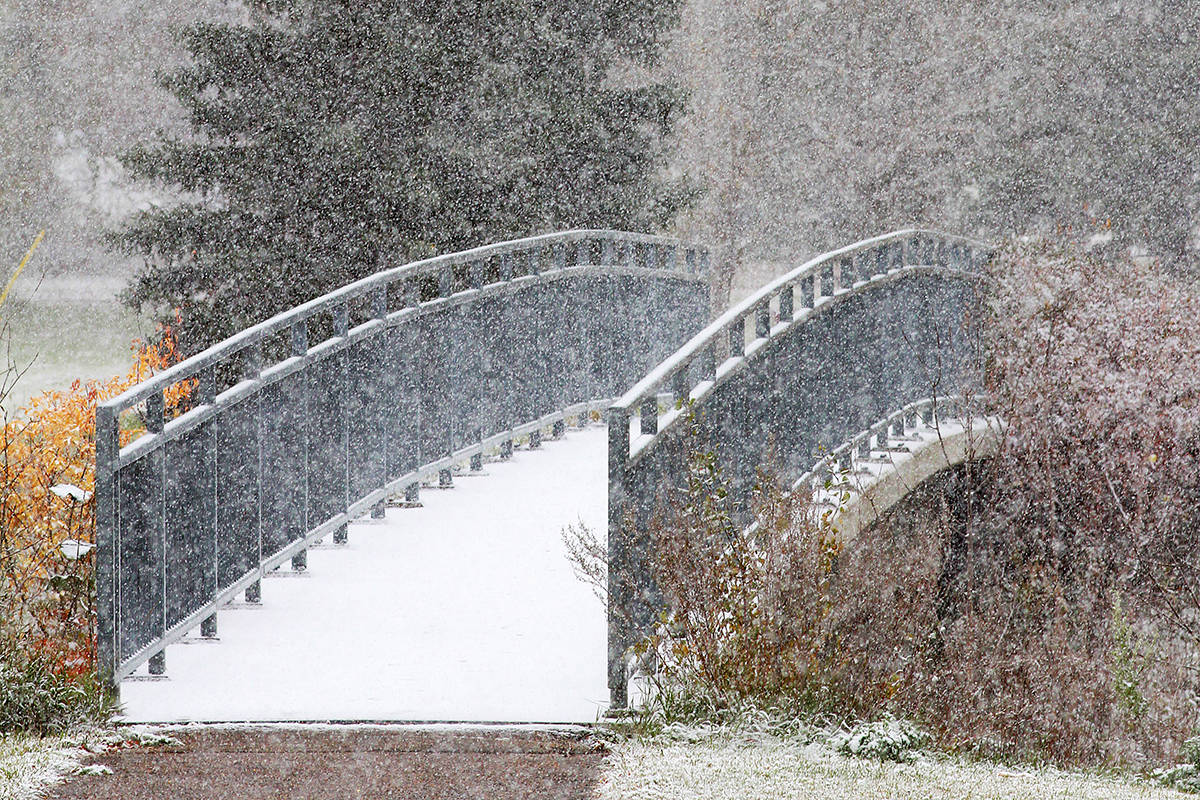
x=725 y=769
x=29 y=764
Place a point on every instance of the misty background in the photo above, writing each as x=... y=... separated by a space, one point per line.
x=811 y=125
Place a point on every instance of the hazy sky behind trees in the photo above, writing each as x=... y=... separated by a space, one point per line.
x=812 y=123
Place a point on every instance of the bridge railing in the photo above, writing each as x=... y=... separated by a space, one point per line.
x=295 y=426
x=814 y=356
x=846 y=457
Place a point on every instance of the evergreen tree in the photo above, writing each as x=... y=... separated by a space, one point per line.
x=331 y=139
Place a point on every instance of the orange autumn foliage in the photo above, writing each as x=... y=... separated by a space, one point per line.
x=46 y=599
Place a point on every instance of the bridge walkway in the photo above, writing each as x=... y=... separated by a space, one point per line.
x=465 y=609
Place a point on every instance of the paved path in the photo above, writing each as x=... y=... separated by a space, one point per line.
x=465 y=609
x=332 y=762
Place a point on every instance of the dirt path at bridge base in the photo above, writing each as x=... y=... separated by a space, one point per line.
x=258 y=762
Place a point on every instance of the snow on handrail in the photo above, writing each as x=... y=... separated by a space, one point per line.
x=695 y=262
x=658 y=377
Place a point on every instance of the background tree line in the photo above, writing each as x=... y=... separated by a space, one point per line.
x=805 y=125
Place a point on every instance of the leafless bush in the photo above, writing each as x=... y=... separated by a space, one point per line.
x=1062 y=588
x=747 y=608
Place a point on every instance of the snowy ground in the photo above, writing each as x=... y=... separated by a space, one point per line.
x=465 y=609
x=29 y=764
x=793 y=771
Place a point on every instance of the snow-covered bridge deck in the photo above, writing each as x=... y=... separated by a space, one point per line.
x=464 y=609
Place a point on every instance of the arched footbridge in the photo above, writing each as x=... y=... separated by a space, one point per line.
x=426 y=374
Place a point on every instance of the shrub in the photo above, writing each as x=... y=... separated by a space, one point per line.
x=888 y=739
x=36 y=698
x=47 y=457
x=746 y=607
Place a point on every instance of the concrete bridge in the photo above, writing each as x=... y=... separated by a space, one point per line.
x=407 y=448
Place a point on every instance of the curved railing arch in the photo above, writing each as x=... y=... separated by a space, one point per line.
x=862 y=479
x=836 y=344
x=420 y=367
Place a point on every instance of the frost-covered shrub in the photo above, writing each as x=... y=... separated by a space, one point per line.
x=887 y=739
x=34 y=699
x=1186 y=774
x=1096 y=368
x=746 y=608
x=1044 y=602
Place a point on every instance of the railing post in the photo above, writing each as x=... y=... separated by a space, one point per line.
x=445 y=280
x=155 y=420
x=649 y=415
x=107 y=544
x=786 y=303
x=608 y=253
x=619 y=614
x=737 y=337
x=708 y=363
x=762 y=321
x=205 y=393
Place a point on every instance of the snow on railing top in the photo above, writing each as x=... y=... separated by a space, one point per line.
x=773 y=308
x=454 y=273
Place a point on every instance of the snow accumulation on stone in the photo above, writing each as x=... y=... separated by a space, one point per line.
x=463 y=610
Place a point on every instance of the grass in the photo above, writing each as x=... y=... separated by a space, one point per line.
x=60 y=341
x=29 y=764
x=728 y=768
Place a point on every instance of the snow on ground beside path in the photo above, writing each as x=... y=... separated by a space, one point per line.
x=791 y=771
x=465 y=609
x=29 y=764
